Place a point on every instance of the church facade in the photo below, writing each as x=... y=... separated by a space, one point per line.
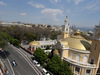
x=82 y=56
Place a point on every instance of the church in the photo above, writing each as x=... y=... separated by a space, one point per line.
x=82 y=56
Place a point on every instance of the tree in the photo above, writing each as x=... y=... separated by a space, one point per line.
x=40 y=55
x=54 y=34
x=13 y=41
x=31 y=37
x=53 y=64
x=65 y=70
x=3 y=43
x=4 y=37
x=56 y=66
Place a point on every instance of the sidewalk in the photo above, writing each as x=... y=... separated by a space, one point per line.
x=2 y=68
x=1 y=72
x=26 y=53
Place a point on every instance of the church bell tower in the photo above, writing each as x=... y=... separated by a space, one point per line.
x=65 y=29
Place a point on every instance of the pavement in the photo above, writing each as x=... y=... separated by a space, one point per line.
x=24 y=65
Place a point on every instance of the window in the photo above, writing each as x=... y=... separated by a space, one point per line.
x=88 y=71
x=95 y=46
x=77 y=57
x=71 y=55
x=92 y=61
x=41 y=46
x=77 y=69
x=85 y=58
x=44 y=46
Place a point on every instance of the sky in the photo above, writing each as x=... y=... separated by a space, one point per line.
x=82 y=13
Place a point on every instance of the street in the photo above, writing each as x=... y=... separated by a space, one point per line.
x=23 y=66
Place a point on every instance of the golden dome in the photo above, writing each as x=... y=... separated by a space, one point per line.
x=77 y=42
x=66 y=19
x=34 y=43
x=65 y=43
x=77 y=33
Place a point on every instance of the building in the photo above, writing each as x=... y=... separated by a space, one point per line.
x=82 y=56
x=32 y=46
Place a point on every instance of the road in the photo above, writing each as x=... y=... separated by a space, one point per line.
x=23 y=66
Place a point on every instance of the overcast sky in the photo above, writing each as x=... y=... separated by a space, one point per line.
x=82 y=13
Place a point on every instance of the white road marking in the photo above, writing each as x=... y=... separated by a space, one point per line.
x=9 y=63
x=18 y=72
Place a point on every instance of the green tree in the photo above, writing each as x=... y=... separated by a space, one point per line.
x=56 y=66
x=13 y=41
x=31 y=37
x=65 y=70
x=53 y=35
x=4 y=37
x=3 y=43
x=53 y=64
x=40 y=55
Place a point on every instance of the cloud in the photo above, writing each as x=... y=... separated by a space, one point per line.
x=51 y=13
x=54 y=1
x=37 y=5
x=77 y=1
x=2 y=3
x=68 y=10
x=94 y=6
x=23 y=14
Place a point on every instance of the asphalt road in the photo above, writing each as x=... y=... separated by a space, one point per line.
x=23 y=67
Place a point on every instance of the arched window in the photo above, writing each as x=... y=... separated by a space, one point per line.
x=71 y=55
x=92 y=61
x=77 y=57
x=85 y=58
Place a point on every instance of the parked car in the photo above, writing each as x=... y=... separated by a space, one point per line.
x=45 y=72
x=14 y=63
x=36 y=63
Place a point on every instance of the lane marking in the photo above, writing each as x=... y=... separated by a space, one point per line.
x=18 y=72
x=9 y=63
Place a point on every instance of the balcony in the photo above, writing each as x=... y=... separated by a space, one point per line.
x=79 y=63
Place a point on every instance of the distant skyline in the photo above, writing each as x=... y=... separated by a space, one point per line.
x=82 y=13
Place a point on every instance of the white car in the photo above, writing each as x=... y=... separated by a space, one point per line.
x=14 y=63
x=45 y=71
x=36 y=63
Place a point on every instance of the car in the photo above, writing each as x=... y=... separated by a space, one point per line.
x=36 y=63
x=14 y=63
x=45 y=72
